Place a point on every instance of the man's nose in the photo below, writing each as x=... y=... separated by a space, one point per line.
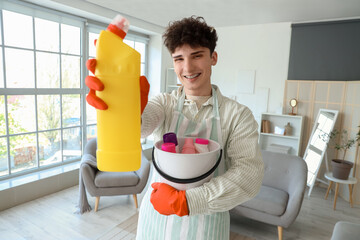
x=188 y=65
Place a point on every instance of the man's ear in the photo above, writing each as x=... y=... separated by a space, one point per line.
x=214 y=58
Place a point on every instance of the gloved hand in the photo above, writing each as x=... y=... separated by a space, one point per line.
x=168 y=200
x=96 y=85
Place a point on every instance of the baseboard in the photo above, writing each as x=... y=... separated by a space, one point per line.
x=14 y=196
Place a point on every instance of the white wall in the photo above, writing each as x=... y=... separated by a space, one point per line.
x=263 y=48
x=159 y=60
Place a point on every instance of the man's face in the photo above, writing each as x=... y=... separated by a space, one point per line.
x=193 y=68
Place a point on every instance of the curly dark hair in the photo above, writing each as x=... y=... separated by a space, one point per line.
x=193 y=31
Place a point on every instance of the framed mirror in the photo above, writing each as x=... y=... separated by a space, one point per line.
x=316 y=147
x=293 y=103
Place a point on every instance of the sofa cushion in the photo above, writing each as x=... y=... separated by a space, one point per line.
x=269 y=200
x=116 y=179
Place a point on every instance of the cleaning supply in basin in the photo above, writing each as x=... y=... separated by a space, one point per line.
x=201 y=145
x=186 y=171
x=168 y=147
x=188 y=147
x=170 y=137
x=118 y=127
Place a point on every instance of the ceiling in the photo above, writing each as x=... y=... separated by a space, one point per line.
x=234 y=12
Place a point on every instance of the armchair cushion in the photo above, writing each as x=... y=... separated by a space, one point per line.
x=115 y=179
x=269 y=200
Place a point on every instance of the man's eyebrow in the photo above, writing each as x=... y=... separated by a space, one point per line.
x=177 y=56
x=194 y=53
x=197 y=52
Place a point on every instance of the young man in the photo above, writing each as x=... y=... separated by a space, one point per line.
x=199 y=109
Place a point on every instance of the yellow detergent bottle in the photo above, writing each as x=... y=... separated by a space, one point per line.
x=118 y=127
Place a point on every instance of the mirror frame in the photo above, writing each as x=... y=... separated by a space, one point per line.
x=293 y=105
x=315 y=178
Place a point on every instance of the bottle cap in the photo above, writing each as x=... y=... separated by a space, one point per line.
x=121 y=22
x=168 y=147
x=119 y=26
x=170 y=137
x=202 y=141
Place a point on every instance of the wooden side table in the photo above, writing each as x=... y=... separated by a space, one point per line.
x=350 y=181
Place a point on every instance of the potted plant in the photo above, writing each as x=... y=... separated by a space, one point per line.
x=341 y=168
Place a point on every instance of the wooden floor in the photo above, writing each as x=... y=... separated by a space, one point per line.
x=52 y=217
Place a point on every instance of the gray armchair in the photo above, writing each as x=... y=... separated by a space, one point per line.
x=281 y=194
x=98 y=183
x=346 y=231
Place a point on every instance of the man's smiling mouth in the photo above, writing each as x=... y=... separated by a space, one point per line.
x=192 y=76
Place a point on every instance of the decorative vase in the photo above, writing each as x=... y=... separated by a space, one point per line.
x=288 y=129
x=341 y=168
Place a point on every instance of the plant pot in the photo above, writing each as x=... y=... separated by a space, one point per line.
x=341 y=168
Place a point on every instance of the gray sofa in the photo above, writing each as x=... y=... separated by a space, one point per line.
x=281 y=195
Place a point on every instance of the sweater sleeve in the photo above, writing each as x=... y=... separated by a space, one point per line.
x=243 y=178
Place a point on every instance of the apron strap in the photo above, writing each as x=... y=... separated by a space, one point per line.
x=180 y=124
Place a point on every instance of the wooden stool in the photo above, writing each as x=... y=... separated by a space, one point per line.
x=350 y=181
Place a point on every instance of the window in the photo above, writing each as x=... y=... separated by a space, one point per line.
x=141 y=48
x=44 y=117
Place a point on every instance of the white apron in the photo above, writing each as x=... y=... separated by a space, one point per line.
x=154 y=226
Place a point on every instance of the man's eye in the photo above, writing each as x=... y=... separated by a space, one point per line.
x=177 y=59
x=198 y=56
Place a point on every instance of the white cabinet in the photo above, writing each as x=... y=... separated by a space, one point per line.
x=172 y=81
x=274 y=140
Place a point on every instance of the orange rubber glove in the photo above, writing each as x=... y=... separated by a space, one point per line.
x=168 y=200
x=96 y=85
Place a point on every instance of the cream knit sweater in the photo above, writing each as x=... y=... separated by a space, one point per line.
x=243 y=160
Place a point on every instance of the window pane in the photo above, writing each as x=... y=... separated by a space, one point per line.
x=70 y=39
x=90 y=114
x=46 y=35
x=71 y=110
x=129 y=42
x=18 y=30
x=49 y=144
x=1 y=70
x=19 y=66
x=22 y=152
x=92 y=48
x=70 y=68
x=4 y=169
x=71 y=143
x=91 y=132
x=47 y=70
x=0 y=36
x=21 y=113
x=2 y=116
x=48 y=111
x=142 y=69
x=140 y=47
